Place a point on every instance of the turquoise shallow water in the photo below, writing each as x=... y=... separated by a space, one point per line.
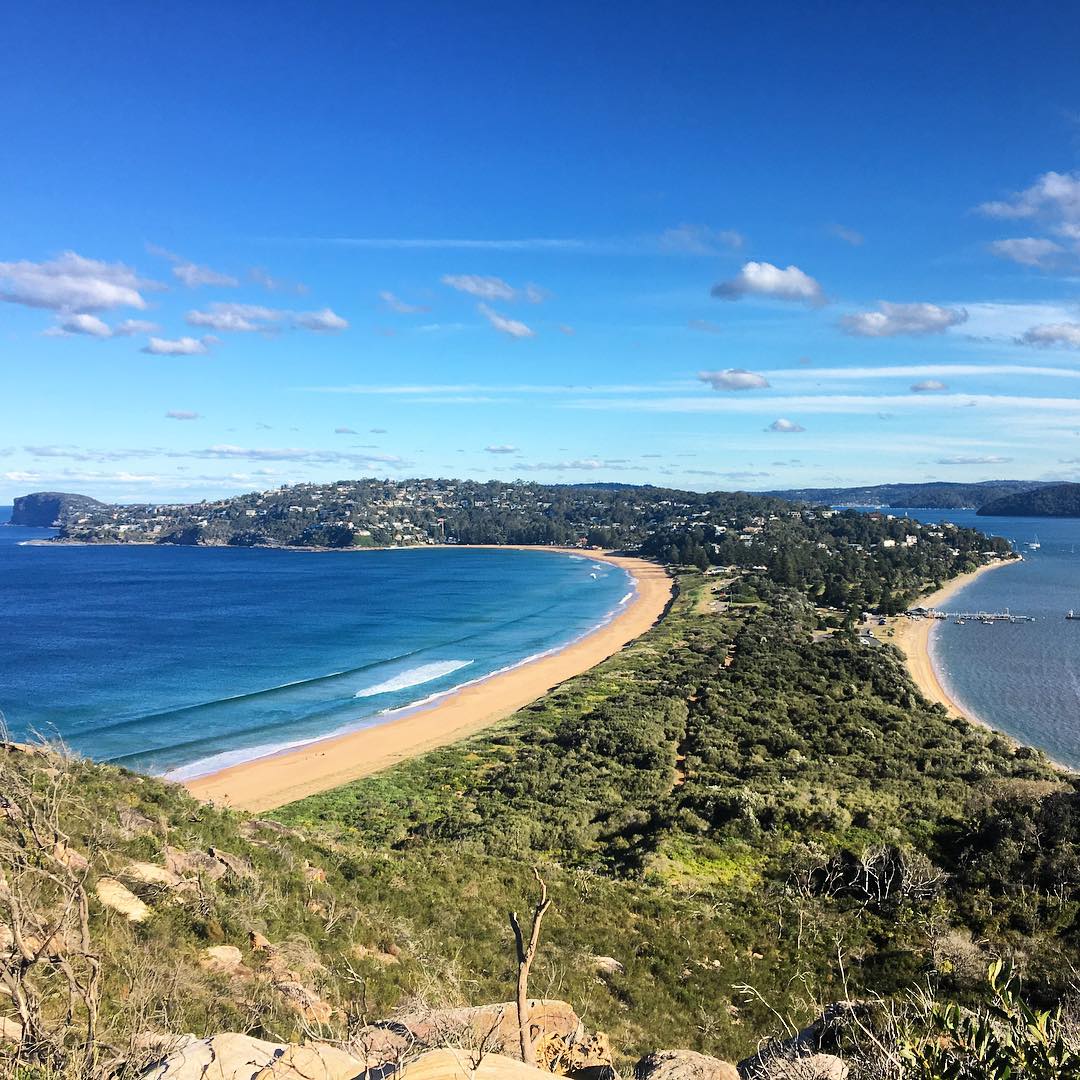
x=1023 y=678
x=183 y=660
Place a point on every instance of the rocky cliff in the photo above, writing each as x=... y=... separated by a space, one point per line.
x=50 y=509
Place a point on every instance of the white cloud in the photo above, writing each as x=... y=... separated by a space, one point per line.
x=274 y=284
x=699 y=240
x=989 y=459
x=576 y=465
x=1055 y=195
x=72 y=283
x=236 y=318
x=324 y=321
x=1027 y=250
x=928 y=386
x=395 y=303
x=82 y=323
x=785 y=426
x=251 y=318
x=506 y=326
x=182 y=414
x=192 y=274
x=184 y=346
x=345 y=431
x=1050 y=334
x=486 y=288
x=891 y=320
x=734 y=379
x=764 y=279
x=849 y=236
x=505 y=449
x=704 y=326
x=292 y=453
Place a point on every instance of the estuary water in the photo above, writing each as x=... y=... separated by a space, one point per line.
x=184 y=660
x=1021 y=678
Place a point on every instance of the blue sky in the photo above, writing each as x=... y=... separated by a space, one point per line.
x=697 y=245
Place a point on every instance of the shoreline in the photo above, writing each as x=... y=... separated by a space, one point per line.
x=268 y=782
x=912 y=638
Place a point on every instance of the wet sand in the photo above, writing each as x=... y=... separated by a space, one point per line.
x=272 y=781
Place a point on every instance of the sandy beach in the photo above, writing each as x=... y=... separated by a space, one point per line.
x=912 y=638
x=269 y=782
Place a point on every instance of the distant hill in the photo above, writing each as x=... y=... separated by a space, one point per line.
x=937 y=496
x=1050 y=500
x=5 y=514
x=48 y=509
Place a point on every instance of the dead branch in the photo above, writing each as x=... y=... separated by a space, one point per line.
x=525 y=955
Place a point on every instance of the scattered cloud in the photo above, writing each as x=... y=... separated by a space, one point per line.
x=699 y=240
x=256 y=318
x=182 y=414
x=505 y=449
x=989 y=459
x=345 y=431
x=576 y=465
x=506 y=326
x=85 y=323
x=395 y=303
x=785 y=426
x=1027 y=250
x=493 y=288
x=564 y=329
x=891 y=320
x=764 y=279
x=323 y=321
x=704 y=326
x=928 y=386
x=192 y=274
x=184 y=346
x=734 y=379
x=1051 y=334
x=487 y=288
x=378 y=430
x=274 y=284
x=72 y=283
x=1054 y=195
x=292 y=453
x=849 y=236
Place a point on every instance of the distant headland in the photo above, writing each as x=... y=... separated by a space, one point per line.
x=1050 y=500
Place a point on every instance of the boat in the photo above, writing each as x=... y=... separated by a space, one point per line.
x=1034 y=544
x=959 y=622
x=1072 y=616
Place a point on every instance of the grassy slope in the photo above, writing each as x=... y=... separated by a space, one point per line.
x=671 y=801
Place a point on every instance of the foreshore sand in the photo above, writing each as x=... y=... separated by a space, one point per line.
x=269 y=782
x=912 y=638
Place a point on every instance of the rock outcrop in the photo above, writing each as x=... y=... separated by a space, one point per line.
x=683 y=1065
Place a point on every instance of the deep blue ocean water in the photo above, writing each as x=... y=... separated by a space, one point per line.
x=1021 y=678
x=182 y=660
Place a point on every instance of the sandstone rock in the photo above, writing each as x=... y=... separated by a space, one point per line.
x=240 y=1057
x=226 y=959
x=258 y=942
x=148 y=874
x=194 y=862
x=315 y=874
x=10 y=1030
x=607 y=965
x=72 y=859
x=683 y=1065
x=132 y=823
x=493 y=1027
x=232 y=863
x=807 y=1067
x=450 y=1064
x=122 y=900
x=305 y=1002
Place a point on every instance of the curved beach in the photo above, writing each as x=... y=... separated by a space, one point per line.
x=912 y=638
x=269 y=782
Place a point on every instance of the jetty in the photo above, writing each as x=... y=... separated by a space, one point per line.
x=980 y=616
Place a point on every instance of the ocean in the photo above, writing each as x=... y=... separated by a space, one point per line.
x=180 y=661
x=1021 y=678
